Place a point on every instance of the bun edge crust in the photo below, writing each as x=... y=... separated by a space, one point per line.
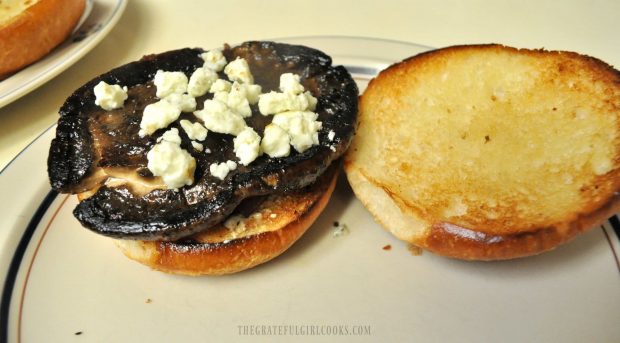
x=453 y=241
x=36 y=31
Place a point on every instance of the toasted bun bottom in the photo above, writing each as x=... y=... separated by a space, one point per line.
x=36 y=31
x=489 y=152
x=243 y=241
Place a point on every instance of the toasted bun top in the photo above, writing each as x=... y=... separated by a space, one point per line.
x=30 y=29
x=491 y=139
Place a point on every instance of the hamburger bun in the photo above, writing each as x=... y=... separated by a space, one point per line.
x=489 y=152
x=208 y=188
x=30 y=29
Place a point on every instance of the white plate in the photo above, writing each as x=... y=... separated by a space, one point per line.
x=99 y=18
x=61 y=280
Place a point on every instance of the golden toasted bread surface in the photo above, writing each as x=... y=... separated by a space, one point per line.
x=489 y=143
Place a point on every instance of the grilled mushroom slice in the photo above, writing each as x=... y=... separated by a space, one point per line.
x=99 y=153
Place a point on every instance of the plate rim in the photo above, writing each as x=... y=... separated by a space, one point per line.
x=351 y=37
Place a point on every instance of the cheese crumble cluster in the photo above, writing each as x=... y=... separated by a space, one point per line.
x=109 y=97
x=294 y=122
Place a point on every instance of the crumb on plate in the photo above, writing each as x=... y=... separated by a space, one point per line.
x=340 y=229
